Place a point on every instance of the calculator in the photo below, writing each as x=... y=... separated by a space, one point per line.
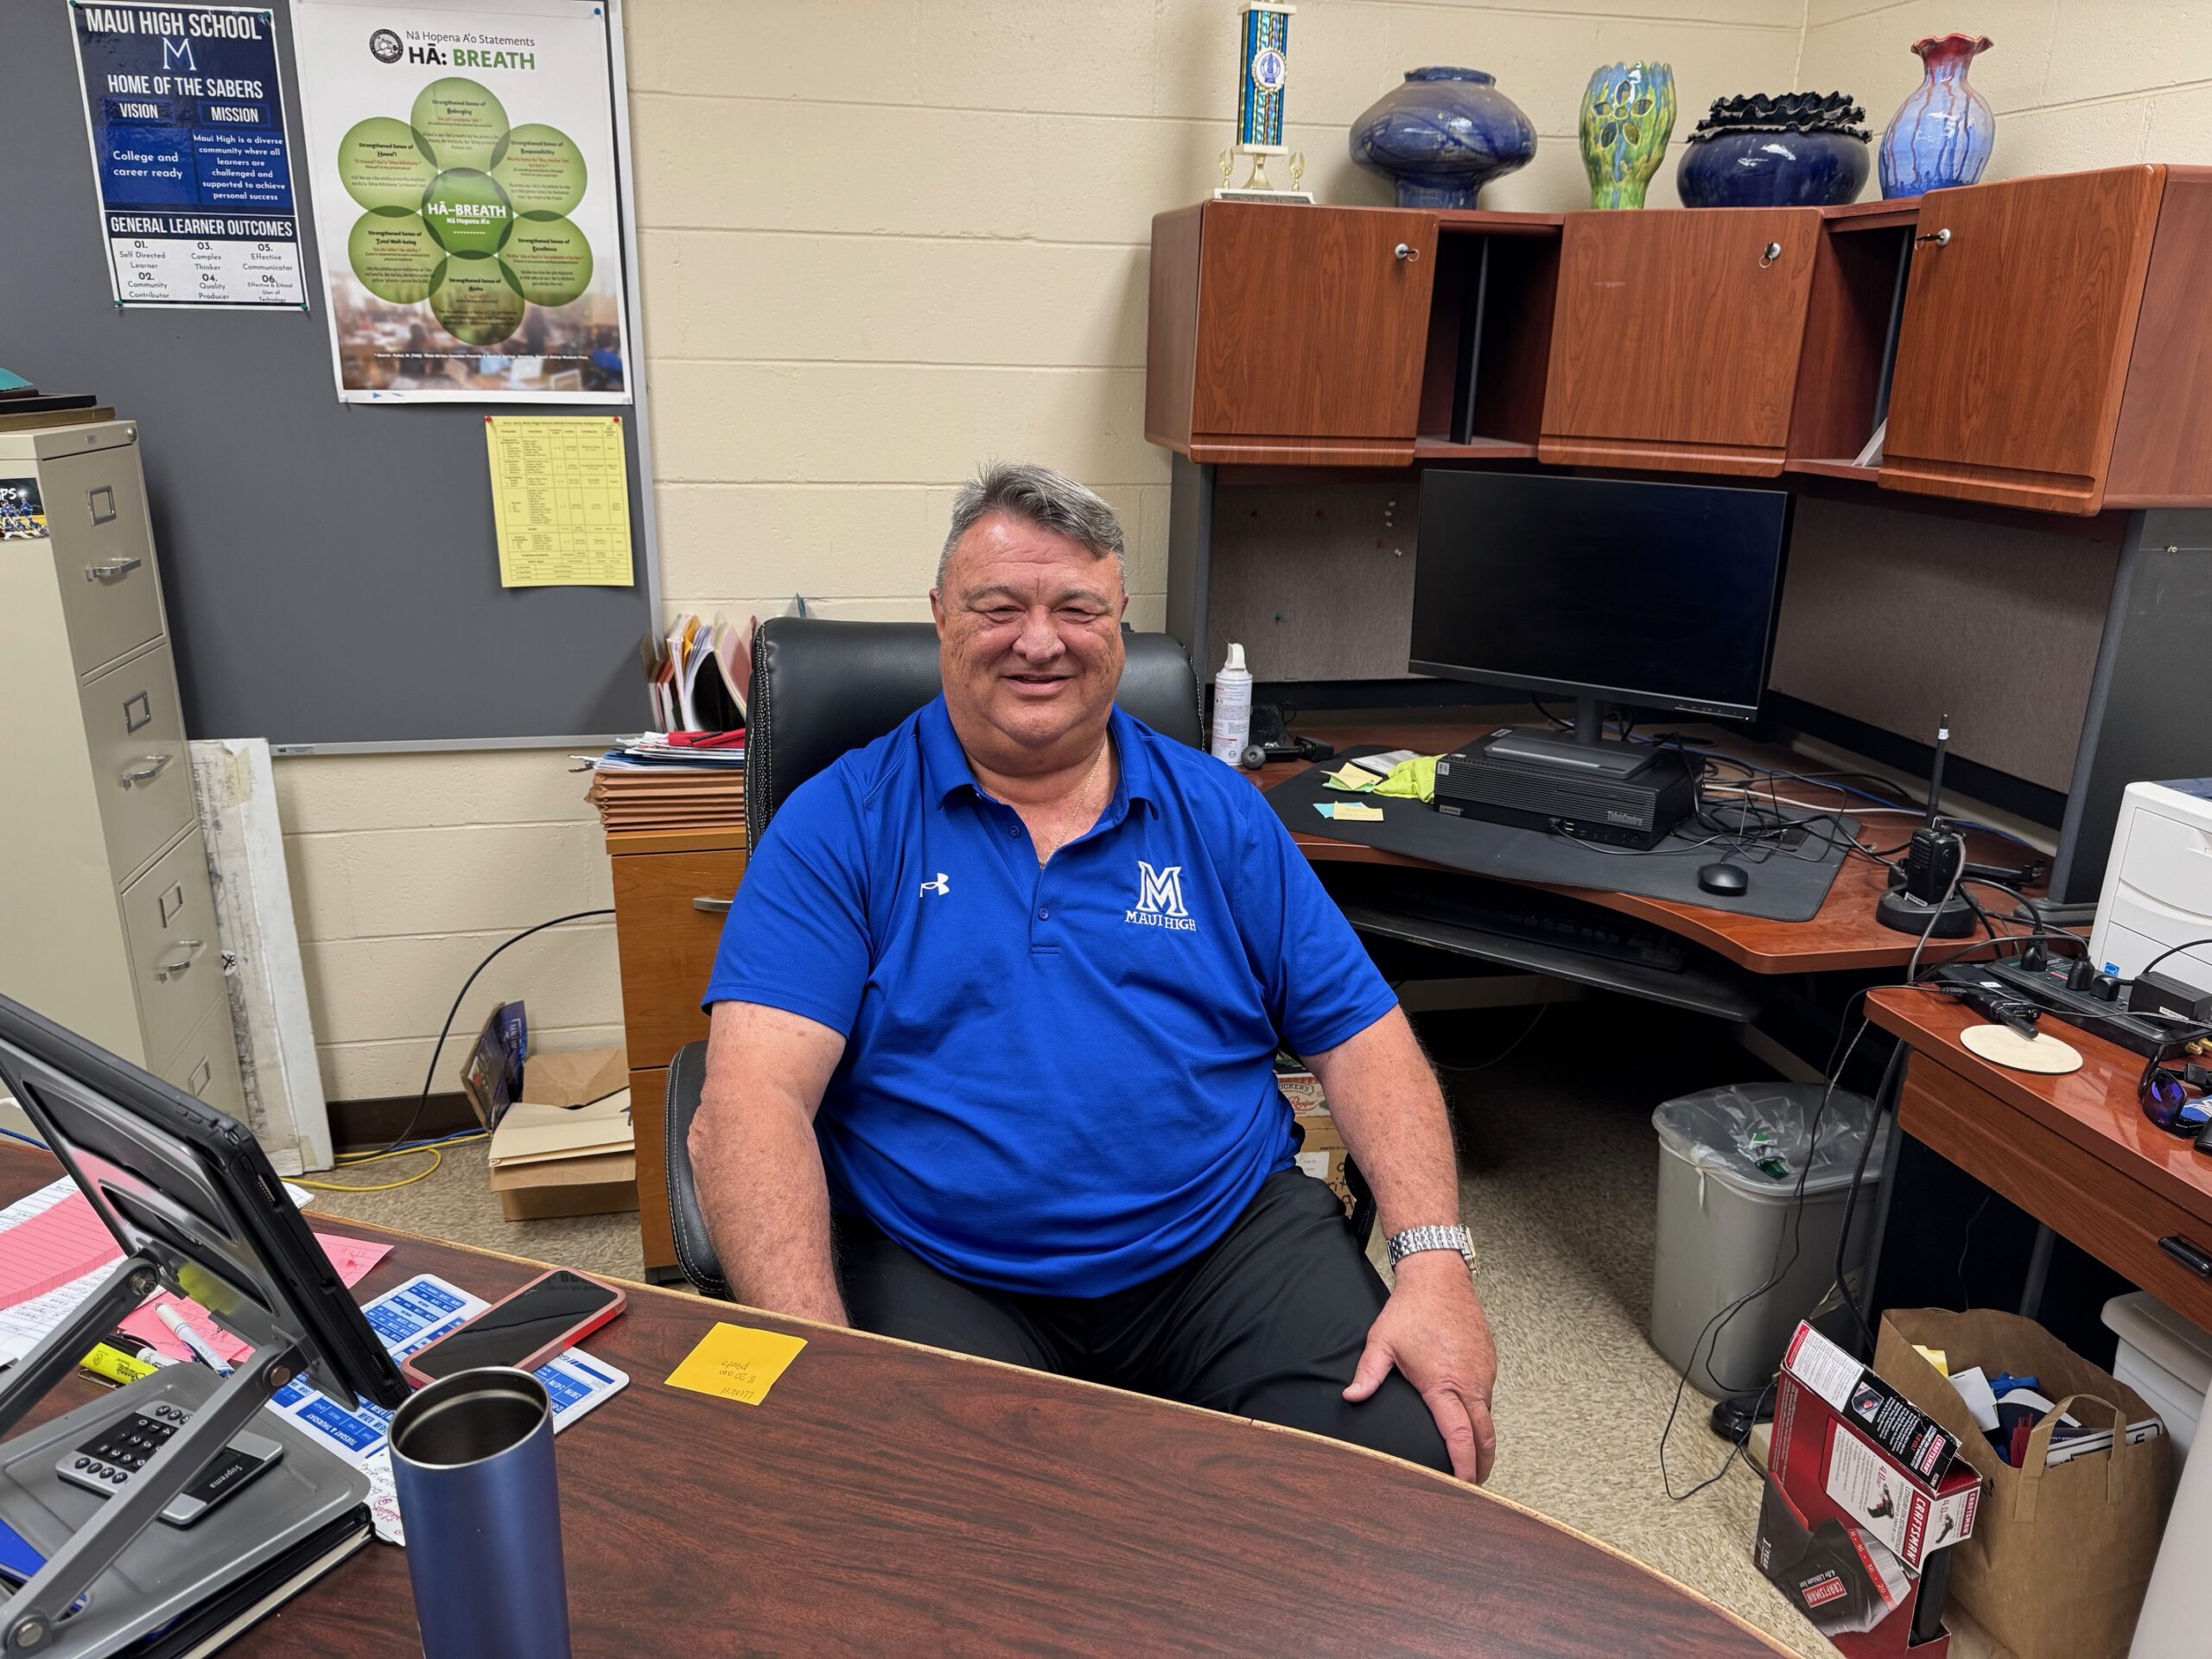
x=106 y=1462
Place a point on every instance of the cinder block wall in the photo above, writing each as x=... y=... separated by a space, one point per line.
x=883 y=241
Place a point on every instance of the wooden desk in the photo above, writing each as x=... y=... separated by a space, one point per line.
x=2075 y=1152
x=887 y=1497
x=1843 y=935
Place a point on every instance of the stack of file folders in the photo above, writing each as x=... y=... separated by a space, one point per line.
x=671 y=781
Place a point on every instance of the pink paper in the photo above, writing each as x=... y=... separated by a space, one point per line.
x=352 y=1257
x=56 y=1247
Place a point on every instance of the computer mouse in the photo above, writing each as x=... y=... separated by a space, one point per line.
x=1723 y=878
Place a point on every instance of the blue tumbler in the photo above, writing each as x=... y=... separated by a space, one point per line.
x=471 y=1461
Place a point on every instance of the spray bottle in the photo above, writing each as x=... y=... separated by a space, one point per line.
x=1232 y=708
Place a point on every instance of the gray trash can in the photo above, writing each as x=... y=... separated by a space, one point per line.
x=1729 y=1159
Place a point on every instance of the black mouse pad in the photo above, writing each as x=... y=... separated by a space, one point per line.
x=1785 y=886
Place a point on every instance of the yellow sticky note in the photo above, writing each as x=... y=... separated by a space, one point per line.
x=1936 y=1357
x=1357 y=812
x=1349 y=776
x=737 y=1362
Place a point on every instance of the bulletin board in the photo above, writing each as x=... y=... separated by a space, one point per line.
x=332 y=571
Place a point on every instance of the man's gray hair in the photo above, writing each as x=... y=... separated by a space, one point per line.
x=1039 y=496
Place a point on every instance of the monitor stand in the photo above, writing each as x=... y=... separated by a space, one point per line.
x=1584 y=752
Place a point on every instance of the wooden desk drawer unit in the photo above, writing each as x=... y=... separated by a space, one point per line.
x=2138 y=1233
x=670 y=907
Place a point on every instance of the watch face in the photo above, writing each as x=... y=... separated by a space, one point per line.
x=1269 y=69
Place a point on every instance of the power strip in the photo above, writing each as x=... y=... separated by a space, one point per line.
x=2048 y=990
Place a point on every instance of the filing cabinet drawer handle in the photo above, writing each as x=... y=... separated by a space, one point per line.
x=111 y=569
x=168 y=970
x=1938 y=238
x=2194 y=1257
x=150 y=767
x=718 y=906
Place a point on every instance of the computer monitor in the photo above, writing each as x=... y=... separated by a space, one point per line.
x=1656 y=596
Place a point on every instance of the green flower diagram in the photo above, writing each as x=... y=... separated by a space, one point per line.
x=466 y=212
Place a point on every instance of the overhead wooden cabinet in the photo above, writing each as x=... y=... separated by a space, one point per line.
x=1677 y=336
x=2053 y=353
x=1289 y=334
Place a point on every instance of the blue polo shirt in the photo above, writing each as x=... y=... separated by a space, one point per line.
x=1056 y=1080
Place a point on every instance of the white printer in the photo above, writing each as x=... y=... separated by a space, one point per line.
x=2158 y=882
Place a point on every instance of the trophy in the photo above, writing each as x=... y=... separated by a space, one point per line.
x=1263 y=67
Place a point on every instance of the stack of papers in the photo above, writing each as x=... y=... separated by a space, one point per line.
x=699 y=675
x=656 y=783
x=55 y=1252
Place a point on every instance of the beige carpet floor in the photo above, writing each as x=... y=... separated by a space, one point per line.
x=1559 y=1183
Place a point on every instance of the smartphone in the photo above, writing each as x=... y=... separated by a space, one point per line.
x=554 y=1311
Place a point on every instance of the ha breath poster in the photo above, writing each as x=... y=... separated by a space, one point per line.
x=462 y=162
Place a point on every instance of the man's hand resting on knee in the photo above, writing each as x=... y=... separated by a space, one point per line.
x=1385 y=1100
x=1433 y=1330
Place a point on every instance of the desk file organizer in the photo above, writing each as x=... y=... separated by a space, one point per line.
x=197 y=1211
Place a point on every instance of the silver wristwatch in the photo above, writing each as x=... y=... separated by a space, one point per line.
x=1413 y=1240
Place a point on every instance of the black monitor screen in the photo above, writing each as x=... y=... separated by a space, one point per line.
x=1658 y=595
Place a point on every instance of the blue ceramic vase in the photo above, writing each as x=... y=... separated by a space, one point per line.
x=1942 y=133
x=1443 y=135
x=1799 y=149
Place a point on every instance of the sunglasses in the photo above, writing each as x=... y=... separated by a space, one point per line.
x=2165 y=1096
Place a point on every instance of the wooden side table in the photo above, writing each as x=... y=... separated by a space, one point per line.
x=672 y=891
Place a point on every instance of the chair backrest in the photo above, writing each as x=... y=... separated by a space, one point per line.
x=821 y=688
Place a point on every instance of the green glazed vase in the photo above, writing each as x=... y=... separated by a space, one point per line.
x=1628 y=115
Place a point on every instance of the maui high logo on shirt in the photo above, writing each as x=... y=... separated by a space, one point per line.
x=1160 y=900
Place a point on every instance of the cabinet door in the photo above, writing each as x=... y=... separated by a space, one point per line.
x=1311 y=325
x=1677 y=335
x=2018 y=325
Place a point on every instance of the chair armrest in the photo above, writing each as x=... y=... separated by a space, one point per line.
x=695 y=1247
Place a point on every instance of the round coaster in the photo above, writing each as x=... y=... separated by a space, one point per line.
x=2002 y=1045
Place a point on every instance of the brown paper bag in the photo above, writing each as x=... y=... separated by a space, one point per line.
x=2060 y=1557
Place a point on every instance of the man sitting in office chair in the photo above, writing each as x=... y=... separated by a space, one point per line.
x=993 y=1029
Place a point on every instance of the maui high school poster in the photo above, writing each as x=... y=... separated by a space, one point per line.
x=462 y=161
x=187 y=122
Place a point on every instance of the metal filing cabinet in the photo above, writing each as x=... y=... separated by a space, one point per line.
x=107 y=920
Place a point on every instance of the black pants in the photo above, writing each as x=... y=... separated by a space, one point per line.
x=1268 y=1323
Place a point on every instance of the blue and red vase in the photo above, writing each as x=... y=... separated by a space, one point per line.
x=1942 y=133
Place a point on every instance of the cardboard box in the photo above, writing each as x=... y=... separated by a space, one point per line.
x=565 y=1147
x=1322 y=1153
x=603 y=1185
x=1863 y=1493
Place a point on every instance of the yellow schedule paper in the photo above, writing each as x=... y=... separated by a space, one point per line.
x=561 y=499
x=737 y=1362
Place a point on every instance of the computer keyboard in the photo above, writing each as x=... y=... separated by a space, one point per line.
x=1531 y=914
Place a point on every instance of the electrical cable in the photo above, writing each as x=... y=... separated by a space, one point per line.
x=430 y=1073
x=27 y=1139
x=435 y=1147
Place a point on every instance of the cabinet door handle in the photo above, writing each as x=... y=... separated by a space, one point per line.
x=1940 y=238
x=167 y=971
x=714 y=907
x=150 y=767
x=1407 y=251
x=2194 y=1257
x=111 y=569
